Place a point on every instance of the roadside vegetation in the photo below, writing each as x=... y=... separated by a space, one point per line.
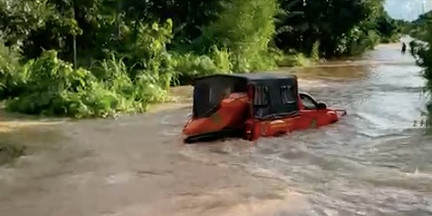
x=421 y=29
x=96 y=58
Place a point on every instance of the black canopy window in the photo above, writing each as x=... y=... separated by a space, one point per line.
x=287 y=95
x=261 y=97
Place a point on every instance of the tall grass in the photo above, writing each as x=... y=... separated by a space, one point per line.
x=188 y=66
x=246 y=28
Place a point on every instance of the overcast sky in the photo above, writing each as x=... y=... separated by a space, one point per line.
x=407 y=9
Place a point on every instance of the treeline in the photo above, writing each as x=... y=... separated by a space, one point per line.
x=86 y=58
x=419 y=27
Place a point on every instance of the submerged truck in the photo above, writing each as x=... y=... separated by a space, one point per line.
x=251 y=106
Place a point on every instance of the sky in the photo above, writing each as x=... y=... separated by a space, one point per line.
x=407 y=9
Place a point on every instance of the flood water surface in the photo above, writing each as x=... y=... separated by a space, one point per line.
x=375 y=161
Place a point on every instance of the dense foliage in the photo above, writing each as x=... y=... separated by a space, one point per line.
x=87 y=58
x=421 y=30
x=421 y=48
x=338 y=27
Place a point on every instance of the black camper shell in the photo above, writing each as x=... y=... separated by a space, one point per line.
x=274 y=95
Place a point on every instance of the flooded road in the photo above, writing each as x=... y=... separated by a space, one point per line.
x=375 y=161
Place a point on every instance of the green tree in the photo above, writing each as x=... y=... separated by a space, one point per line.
x=331 y=22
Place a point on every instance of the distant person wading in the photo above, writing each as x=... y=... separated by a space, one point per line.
x=403 y=48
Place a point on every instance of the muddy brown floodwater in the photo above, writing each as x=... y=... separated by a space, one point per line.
x=375 y=161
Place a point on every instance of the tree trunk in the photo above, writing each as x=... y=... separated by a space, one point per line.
x=118 y=13
x=74 y=52
x=74 y=40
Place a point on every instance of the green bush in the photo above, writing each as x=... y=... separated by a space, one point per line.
x=133 y=94
x=425 y=60
x=54 y=88
x=50 y=86
x=188 y=66
x=11 y=71
x=423 y=52
x=357 y=41
x=367 y=40
x=221 y=59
